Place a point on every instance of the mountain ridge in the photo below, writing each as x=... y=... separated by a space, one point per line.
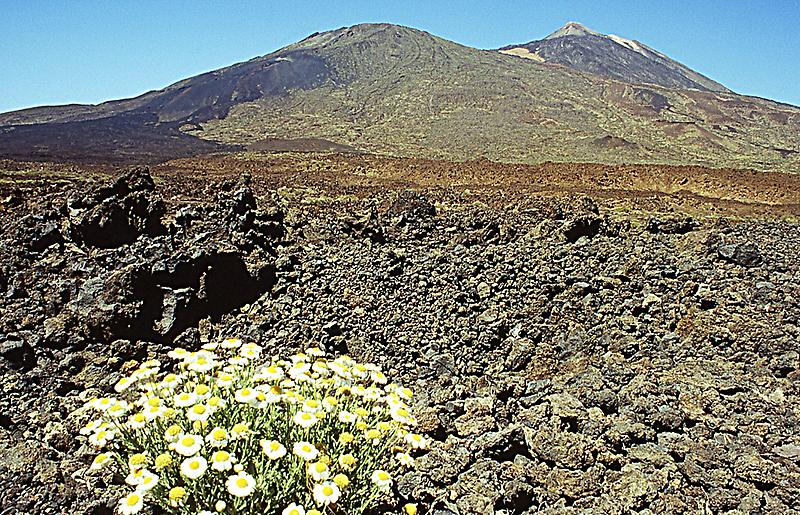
x=389 y=89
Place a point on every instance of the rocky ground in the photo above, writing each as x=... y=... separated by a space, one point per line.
x=603 y=346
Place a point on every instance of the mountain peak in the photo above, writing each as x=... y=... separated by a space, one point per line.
x=357 y=33
x=579 y=47
x=573 y=28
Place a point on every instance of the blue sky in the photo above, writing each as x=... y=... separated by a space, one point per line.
x=55 y=52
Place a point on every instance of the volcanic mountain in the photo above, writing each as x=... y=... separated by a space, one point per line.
x=388 y=89
x=626 y=60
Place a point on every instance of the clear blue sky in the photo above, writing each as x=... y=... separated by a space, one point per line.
x=55 y=52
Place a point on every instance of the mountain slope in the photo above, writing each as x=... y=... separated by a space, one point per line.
x=389 y=89
x=583 y=49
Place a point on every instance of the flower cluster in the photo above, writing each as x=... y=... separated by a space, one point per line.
x=231 y=432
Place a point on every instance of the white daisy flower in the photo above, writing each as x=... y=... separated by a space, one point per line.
x=224 y=380
x=100 y=461
x=147 y=481
x=311 y=405
x=231 y=343
x=203 y=363
x=185 y=399
x=378 y=377
x=346 y=417
x=319 y=471
x=171 y=381
x=101 y=438
x=218 y=437
x=416 y=441
x=123 y=384
x=130 y=504
x=326 y=493
x=91 y=427
x=305 y=450
x=188 y=445
x=304 y=419
x=222 y=461
x=321 y=369
x=117 y=410
x=134 y=478
x=401 y=415
x=299 y=369
x=240 y=430
x=270 y=373
x=137 y=421
x=172 y=433
x=294 y=509
x=382 y=479
x=274 y=450
x=405 y=459
x=178 y=353
x=194 y=467
x=241 y=484
x=102 y=403
x=250 y=351
x=154 y=412
x=203 y=391
x=198 y=412
x=360 y=371
x=246 y=395
x=239 y=361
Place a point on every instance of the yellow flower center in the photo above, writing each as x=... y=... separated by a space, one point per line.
x=194 y=465
x=133 y=500
x=188 y=441
x=199 y=409
x=241 y=482
x=327 y=490
x=222 y=456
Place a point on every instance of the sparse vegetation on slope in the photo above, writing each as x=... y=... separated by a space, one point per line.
x=400 y=91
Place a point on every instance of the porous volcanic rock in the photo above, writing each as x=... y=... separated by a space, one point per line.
x=564 y=359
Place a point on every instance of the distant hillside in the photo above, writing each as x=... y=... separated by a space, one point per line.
x=388 y=89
